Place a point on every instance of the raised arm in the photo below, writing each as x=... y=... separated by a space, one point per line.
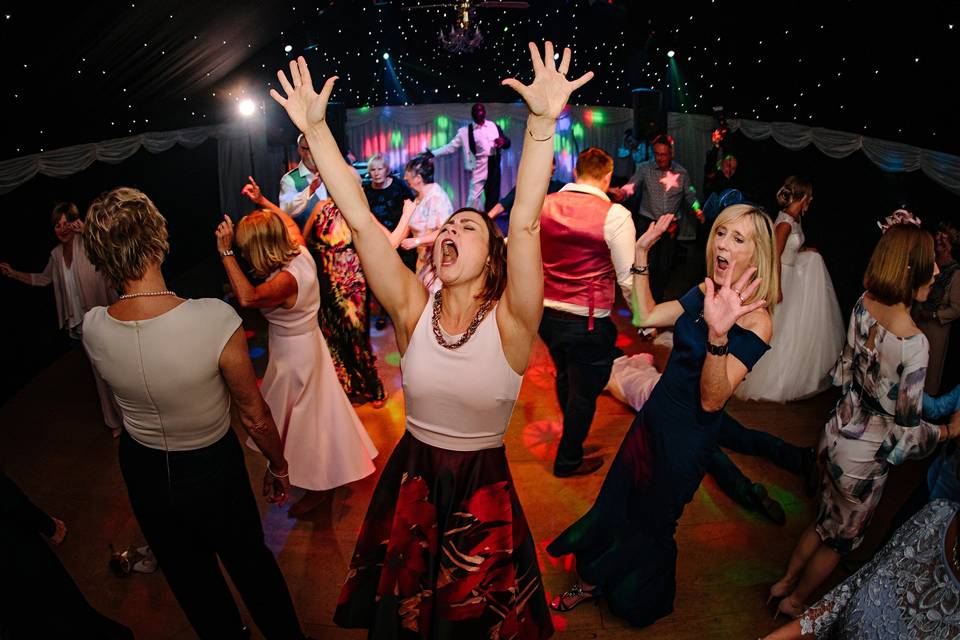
x=397 y=289
x=41 y=279
x=545 y=97
x=275 y=292
x=252 y=191
x=255 y=417
x=646 y=312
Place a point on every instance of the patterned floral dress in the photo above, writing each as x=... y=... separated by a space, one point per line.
x=343 y=308
x=876 y=423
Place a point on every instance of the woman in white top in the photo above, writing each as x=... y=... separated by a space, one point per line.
x=444 y=551
x=175 y=366
x=77 y=288
x=323 y=439
x=807 y=326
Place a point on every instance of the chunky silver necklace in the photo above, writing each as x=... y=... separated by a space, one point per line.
x=147 y=293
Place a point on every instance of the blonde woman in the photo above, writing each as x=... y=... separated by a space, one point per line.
x=323 y=439
x=624 y=544
x=808 y=327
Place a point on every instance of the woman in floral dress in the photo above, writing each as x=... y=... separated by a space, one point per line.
x=878 y=420
x=343 y=309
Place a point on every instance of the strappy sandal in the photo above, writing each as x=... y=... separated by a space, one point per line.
x=575 y=595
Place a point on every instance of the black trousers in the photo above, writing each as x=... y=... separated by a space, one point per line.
x=199 y=508
x=736 y=437
x=660 y=257
x=491 y=188
x=583 y=359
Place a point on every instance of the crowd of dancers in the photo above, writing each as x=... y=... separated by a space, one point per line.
x=445 y=550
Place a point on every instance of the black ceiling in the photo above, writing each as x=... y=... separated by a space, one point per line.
x=85 y=72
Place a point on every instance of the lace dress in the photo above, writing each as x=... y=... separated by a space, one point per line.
x=906 y=591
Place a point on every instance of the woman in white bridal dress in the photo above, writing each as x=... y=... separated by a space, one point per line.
x=808 y=330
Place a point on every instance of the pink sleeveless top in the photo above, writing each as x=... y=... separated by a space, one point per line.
x=458 y=399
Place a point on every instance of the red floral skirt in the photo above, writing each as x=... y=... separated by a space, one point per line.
x=445 y=552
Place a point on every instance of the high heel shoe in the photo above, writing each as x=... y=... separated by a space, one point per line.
x=790 y=608
x=569 y=599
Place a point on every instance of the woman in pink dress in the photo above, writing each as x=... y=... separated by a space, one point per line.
x=445 y=550
x=323 y=440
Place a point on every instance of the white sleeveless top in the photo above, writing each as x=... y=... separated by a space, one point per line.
x=794 y=240
x=458 y=399
x=302 y=316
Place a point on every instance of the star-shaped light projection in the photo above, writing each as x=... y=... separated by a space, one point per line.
x=670 y=180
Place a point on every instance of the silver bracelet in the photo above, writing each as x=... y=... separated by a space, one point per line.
x=228 y=252
x=270 y=471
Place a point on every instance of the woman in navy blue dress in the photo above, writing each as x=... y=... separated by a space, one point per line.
x=624 y=545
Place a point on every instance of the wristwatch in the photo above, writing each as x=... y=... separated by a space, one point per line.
x=717 y=350
x=639 y=271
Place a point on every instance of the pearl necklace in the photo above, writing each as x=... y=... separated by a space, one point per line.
x=147 y=293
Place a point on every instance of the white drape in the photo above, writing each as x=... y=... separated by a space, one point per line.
x=402 y=132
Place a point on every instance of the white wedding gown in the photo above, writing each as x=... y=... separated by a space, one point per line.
x=808 y=330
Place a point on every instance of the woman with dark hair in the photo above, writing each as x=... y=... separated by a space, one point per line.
x=77 y=288
x=324 y=441
x=423 y=216
x=878 y=420
x=808 y=327
x=444 y=551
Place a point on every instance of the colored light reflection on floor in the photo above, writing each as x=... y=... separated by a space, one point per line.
x=393 y=358
x=542 y=437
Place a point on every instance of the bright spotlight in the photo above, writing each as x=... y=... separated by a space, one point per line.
x=671 y=53
x=288 y=48
x=386 y=56
x=247 y=107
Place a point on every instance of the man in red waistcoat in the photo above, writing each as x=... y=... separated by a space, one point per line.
x=587 y=245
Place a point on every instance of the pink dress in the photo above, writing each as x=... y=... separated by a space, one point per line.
x=323 y=440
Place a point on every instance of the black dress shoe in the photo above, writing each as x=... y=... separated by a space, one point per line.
x=587 y=466
x=810 y=471
x=766 y=505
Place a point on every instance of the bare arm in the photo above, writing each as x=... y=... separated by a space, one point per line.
x=521 y=306
x=394 y=285
x=255 y=417
x=280 y=290
x=781 y=233
x=252 y=191
x=402 y=230
x=41 y=279
x=646 y=311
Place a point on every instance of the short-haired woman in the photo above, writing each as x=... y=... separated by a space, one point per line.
x=323 y=439
x=423 y=217
x=77 y=288
x=878 y=421
x=174 y=366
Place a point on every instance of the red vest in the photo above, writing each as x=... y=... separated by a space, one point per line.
x=577 y=267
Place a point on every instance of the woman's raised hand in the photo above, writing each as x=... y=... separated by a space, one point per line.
x=225 y=234
x=305 y=106
x=547 y=95
x=723 y=306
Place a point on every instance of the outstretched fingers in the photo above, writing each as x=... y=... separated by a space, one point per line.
x=744 y=279
x=535 y=58
x=328 y=88
x=295 y=73
x=548 y=62
x=749 y=290
x=304 y=71
x=582 y=80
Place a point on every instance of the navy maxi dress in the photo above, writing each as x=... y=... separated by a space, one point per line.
x=625 y=543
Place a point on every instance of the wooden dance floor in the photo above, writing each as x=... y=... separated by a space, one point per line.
x=53 y=444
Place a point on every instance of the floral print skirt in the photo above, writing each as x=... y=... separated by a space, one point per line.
x=445 y=552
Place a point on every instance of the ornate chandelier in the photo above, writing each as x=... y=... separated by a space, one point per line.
x=462 y=37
